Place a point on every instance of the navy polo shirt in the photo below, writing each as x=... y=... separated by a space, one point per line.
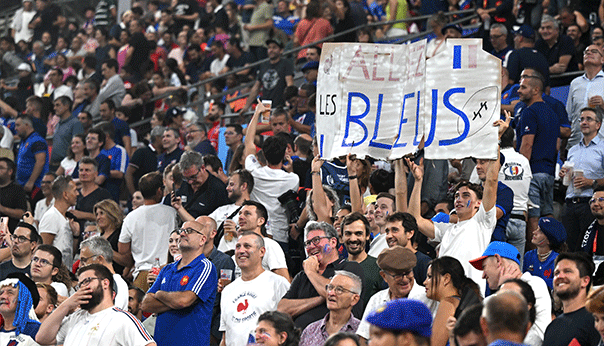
x=190 y=325
x=540 y=120
x=165 y=159
x=26 y=159
x=121 y=129
x=522 y=58
x=505 y=202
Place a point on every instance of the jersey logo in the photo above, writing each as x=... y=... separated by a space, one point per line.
x=184 y=280
x=547 y=273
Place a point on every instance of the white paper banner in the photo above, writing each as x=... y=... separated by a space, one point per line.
x=376 y=100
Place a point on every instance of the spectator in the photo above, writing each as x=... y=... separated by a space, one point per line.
x=91 y=92
x=239 y=187
x=355 y=235
x=214 y=167
x=144 y=160
x=47 y=267
x=121 y=135
x=90 y=192
x=135 y=298
x=105 y=14
x=344 y=20
x=24 y=239
x=113 y=89
x=109 y=219
x=557 y=48
x=115 y=321
x=589 y=243
x=98 y=250
x=572 y=281
x=21 y=296
x=384 y=206
x=34 y=106
x=171 y=152
x=20 y=24
x=118 y=158
x=10 y=61
x=213 y=121
x=271 y=327
x=32 y=158
x=397 y=320
x=238 y=58
x=48 y=201
x=311 y=29
x=256 y=292
x=549 y=239
x=574 y=32
x=305 y=300
x=233 y=136
x=185 y=12
x=48 y=301
x=186 y=310
x=498 y=35
x=144 y=235
x=56 y=88
x=467 y=330
x=595 y=305
x=75 y=152
x=138 y=50
x=505 y=319
x=525 y=55
x=313 y=53
x=13 y=201
x=579 y=95
x=259 y=26
x=66 y=129
x=197 y=140
x=519 y=286
x=272 y=84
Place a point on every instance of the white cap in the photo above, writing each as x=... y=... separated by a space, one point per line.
x=24 y=67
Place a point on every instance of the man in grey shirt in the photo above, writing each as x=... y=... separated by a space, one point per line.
x=112 y=87
x=67 y=127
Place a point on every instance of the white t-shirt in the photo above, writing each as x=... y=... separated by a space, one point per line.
x=7 y=139
x=242 y=302
x=269 y=184
x=10 y=338
x=21 y=25
x=543 y=306
x=109 y=327
x=467 y=240
x=378 y=244
x=121 y=296
x=217 y=65
x=53 y=222
x=274 y=258
x=382 y=297
x=516 y=174
x=41 y=208
x=219 y=215
x=68 y=165
x=147 y=229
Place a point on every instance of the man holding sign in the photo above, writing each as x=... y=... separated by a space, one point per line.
x=476 y=211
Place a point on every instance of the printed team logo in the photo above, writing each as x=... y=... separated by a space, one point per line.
x=513 y=171
x=244 y=310
x=547 y=273
x=184 y=280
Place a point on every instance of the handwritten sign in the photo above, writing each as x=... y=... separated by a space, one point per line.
x=379 y=100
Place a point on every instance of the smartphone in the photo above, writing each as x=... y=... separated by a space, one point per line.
x=70 y=215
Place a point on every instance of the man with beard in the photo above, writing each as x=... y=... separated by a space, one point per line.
x=590 y=243
x=572 y=281
x=355 y=235
x=197 y=139
x=18 y=297
x=13 y=202
x=238 y=189
x=135 y=298
x=98 y=321
x=24 y=240
x=213 y=120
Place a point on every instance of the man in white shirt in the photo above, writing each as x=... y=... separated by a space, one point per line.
x=97 y=321
x=54 y=227
x=500 y=262
x=145 y=231
x=20 y=23
x=246 y=298
x=396 y=264
x=270 y=181
x=48 y=201
x=384 y=206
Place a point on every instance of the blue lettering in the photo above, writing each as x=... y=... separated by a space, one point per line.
x=377 y=126
x=462 y=115
x=403 y=121
x=416 y=141
x=322 y=141
x=355 y=119
x=433 y=118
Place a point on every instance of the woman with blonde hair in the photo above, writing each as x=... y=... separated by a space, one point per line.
x=109 y=219
x=595 y=305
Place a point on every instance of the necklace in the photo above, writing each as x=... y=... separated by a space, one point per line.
x=543 y=257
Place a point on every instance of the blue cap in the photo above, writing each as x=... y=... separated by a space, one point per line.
x=526 y=31
x=553 y=229
x=451 y=26
x=310 y=65
x=500 y=248
x=403 y=314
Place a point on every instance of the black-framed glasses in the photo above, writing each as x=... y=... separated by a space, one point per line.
x=85 y=282
x=587 y=119
x=188 y=231
x=19 y=238
x=192 y=177
x=591 y=51
x=46 y=182
x=43 y=262
x=314 y=241
x=84 y=260
x=339 y=290
x=594 y=200
x=408 y=274
x=496 y=36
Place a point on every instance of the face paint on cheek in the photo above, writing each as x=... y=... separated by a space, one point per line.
x=467 y=206
x=326 y=248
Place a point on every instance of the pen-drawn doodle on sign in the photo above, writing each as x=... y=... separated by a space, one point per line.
x=477 y=105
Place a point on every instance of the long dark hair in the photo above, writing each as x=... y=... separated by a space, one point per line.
x=449 y=265
x=172 y=64
x=282 y=323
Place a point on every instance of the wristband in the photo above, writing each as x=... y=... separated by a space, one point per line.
x=313 y=173
x=350 y=177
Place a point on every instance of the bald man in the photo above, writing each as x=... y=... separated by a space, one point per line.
x=225 y=267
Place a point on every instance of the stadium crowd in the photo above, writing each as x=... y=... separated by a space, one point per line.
x=122 y=226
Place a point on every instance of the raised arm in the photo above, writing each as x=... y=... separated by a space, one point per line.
x=319 y=202
x=400 y=185
x=249 y=146
x=356 y=200
x=415 y=208
x=490 y=184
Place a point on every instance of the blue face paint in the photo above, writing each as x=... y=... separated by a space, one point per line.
x=326 y=248
x=467 y=206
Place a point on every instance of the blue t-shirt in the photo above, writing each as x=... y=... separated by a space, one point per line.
x=26 y=159
x=544 y=270
x=509 y=94
x=307 y=118
x=101 y=160
x=191 y=325
x=118 y=161
x=121 y=129
x=286 y=24
x=505 y=202
x=540 y=120
x=165 y=159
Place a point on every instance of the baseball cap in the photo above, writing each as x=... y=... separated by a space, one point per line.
x=553 y=229
x=396 y=259
x=526 y=31
x=24 y=67
x=275 y=40
x=451 y=26
x=500 y=248
x=403 y=314
x=311 y=65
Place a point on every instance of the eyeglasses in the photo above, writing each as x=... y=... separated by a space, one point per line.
x=339 y=290
x=314 y=241
x=591 y=51
x=191 y=131
x=43 y=262
x=19 y=239
x=192 y=177
x=408 y=274
x=85 y=282
x=589 y=120
x=492 y=37
x=46 y=181
x=188 y=231
x=84 y=260
x=594 y=200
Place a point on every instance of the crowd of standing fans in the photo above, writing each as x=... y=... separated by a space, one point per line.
x=158 y=187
